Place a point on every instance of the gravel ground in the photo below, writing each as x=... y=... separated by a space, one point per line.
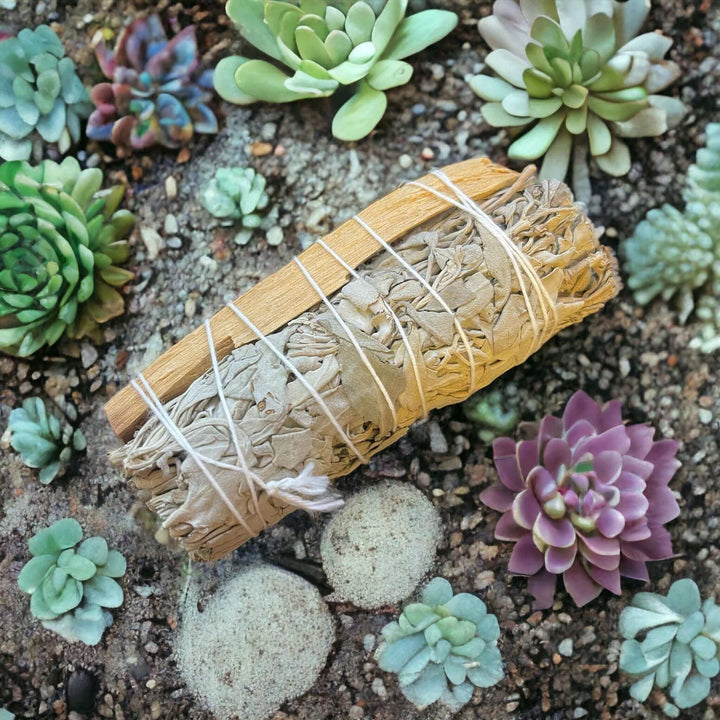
x=189 y=267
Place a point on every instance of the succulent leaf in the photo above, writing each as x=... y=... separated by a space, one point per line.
x=156 y=93
x=678 y=651
x=325 y=45
x=41 y=96
x=70 y=584
x=442 y=646
x=583 y=78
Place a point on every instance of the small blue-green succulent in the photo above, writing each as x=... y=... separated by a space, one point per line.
x=327 y=45
x=676 y=255
x=493 y=411
x=673 y=642
x=6 y=714
x=41 y=96
x=443 y=647
x=237 y=193
x=71 y=584
x=44 y=440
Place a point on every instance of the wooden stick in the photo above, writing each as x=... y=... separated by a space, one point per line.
x=285 y=294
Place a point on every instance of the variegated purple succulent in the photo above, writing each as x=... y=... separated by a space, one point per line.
x=157 y=95
x=585 y=498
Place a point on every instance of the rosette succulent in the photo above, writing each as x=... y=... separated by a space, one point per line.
x=672 y=642
x=494 y=411
x=61 y=241
x=41 y=96
x=43 y=439
x=674 y=254
x=443 y=647
x=585 y=498
x=156 y=95
x=236 y=194
x=72 y=582
x=577 y=77
x=327 y=45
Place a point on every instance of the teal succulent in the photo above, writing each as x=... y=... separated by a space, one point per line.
x=672 y=642
x=578 y=77
x=44 y=440
x=41 y=96
x=493 y=411
x=236 y=194
x=443 y=647
x=62 y=239
x=327 y=45
x=72 y=582
x=676 y=255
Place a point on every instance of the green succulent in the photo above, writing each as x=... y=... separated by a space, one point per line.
x=61 y=240
x=70 y=584
x=41 y=96
x=673 y=642
x=577 y=76
x=703 y=181
x=325 y=46
x=493 y=411
x=43 y=439
x=236 y=194
x=673 y=254
x=443 y=647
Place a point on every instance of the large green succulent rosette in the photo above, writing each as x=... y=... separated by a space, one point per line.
x=576 y=78
x=325 y=46
x=62 y=238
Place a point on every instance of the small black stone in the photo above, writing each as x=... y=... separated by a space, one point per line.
x=81 y=690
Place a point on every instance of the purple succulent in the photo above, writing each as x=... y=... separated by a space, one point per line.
x=585 y=498
x=156 y=95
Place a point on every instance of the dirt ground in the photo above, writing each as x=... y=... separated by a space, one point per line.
x=639 y=356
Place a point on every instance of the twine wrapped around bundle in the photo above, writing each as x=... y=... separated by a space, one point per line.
x=427 y=322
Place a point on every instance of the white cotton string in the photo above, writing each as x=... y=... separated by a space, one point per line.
x=493 y=227
x=515 y=255
x=463 y=335
x=250 y=477
x=302 y=379
x=398 y=324
x=351 y=337
x=152 y=401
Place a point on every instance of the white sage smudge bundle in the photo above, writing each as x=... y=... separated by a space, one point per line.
x=425 y=324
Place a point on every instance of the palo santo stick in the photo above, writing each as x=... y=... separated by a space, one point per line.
x=282 y=296
x=459 y=301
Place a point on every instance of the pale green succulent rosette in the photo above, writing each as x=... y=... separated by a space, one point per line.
x=328 y=45
x=577 y=76
x=41 y=96
x=676 y=255
x=71 y=583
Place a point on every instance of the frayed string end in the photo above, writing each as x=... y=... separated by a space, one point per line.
x=307 y=491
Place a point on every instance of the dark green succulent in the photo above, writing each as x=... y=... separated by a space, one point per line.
x=673 y=642
x=44 y=440
x=327 y=45
x=71 y=584
x=41 y=96
x=676 y=255
x=61 y=241
x=443 y=647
